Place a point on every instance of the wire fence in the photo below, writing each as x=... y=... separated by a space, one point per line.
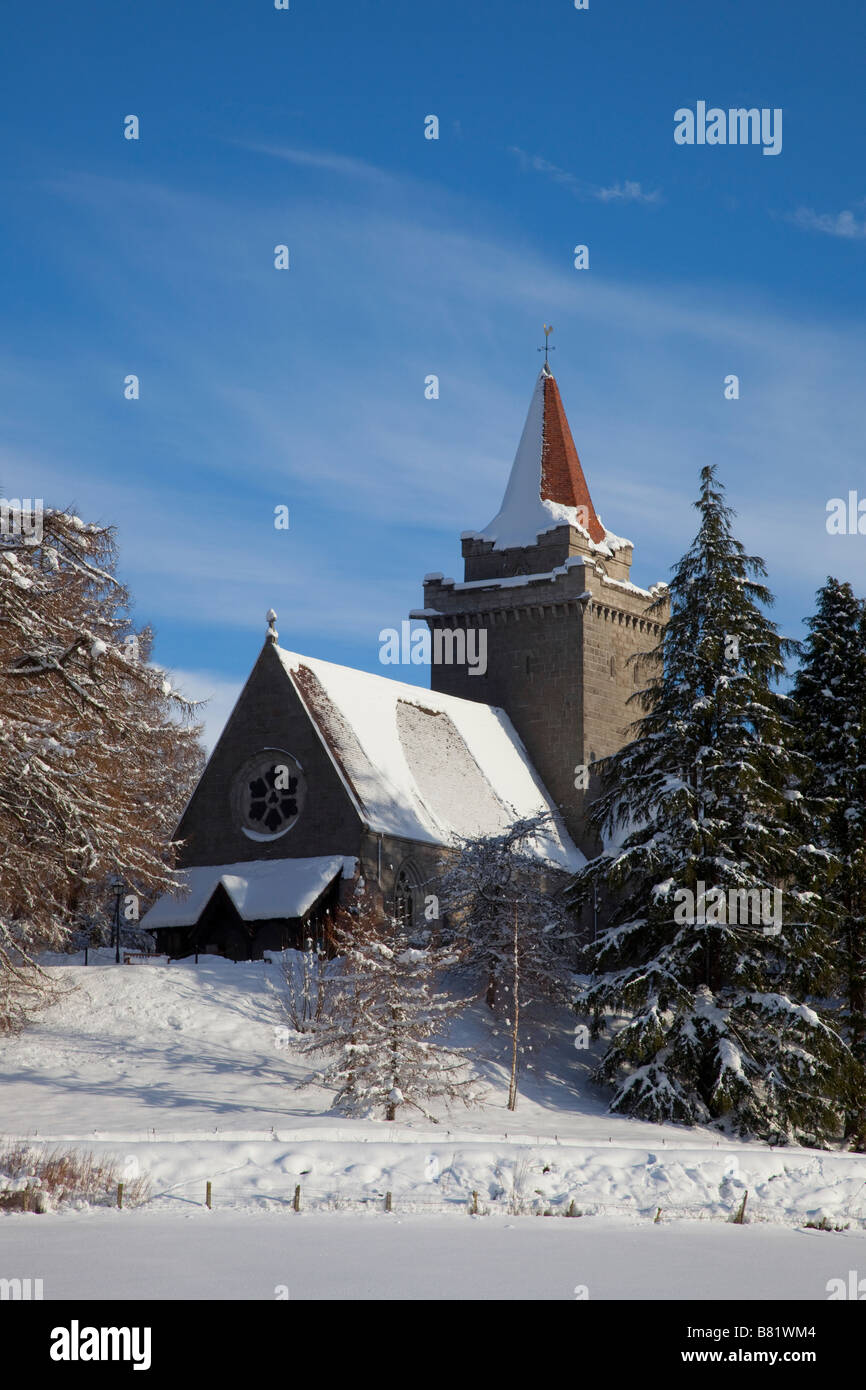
x=307 y=1196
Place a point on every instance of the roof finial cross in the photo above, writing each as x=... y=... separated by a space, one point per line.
x=548 y=329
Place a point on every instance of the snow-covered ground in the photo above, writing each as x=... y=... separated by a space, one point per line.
x=180 y=1072
x=231 y=1255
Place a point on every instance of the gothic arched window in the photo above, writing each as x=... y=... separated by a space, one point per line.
x=405 y=899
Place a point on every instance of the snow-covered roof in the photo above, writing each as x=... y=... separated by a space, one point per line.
x=422 y=765
x=260 y=889
x=547 y=487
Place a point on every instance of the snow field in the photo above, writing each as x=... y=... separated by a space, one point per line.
x=212 y=1255
x=175 y=1071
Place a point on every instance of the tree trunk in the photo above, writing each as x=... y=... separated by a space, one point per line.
x=391 y=1113
x=855 y=1127
x=491 y=991
x=512 y=1089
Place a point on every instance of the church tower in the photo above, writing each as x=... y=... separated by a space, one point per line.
x=550 y=587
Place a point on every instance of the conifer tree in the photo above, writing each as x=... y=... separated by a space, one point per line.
x=383 y=1019
x=715 y=943
x=830 y=702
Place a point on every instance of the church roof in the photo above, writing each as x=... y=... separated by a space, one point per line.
x=260 y=889
x=547 y=486
x=422 y=765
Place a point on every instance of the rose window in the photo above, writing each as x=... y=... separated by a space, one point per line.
x=270 y=791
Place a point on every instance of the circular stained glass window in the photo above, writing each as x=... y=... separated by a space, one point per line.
x=269 y=794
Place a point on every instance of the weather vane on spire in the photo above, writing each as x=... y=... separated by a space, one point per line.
x=548 y=329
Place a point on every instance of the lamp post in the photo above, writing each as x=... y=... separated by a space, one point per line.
x=117 y=889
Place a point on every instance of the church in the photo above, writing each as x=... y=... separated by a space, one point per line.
x=324 y=775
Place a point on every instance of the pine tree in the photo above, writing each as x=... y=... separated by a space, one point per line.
x=97 y=754
x=719 y=1026
x=510 y=926
x=383 y=1020
x=830 y=701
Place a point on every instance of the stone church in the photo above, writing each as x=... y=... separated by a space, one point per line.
x=324 y=774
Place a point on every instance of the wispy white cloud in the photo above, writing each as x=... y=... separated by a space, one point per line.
x=373 y=473
x=838 y=224
x=345 y=165
x=627 y=191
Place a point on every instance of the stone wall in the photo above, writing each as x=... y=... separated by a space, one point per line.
x=269 y=714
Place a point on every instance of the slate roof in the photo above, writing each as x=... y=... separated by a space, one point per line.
x=422 y=765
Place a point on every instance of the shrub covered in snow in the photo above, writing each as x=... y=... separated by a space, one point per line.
x=38 y=1180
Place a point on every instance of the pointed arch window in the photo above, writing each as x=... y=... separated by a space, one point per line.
x=407 y=899
x=404 y=901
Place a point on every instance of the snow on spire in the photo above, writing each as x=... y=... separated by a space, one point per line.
x=547 y=486
x=271 y=616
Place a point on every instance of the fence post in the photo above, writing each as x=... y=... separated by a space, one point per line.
x=387 y=1201
x=473 y=1211
x=297 y=1201
x=740 y=1218
x=119 y=1196
x=207 y=1196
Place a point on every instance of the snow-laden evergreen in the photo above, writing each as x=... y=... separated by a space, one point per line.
x=713 y=1019
x=381 y=1022
x=830 y=696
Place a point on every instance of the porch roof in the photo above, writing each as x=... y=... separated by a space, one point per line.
x=259 y=889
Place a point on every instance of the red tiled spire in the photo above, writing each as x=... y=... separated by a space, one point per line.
x=562 y=477
x=546 y=487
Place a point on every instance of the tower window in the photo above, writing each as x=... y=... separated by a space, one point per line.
x=613 y=667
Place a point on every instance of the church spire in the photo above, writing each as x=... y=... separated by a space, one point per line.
x=562 y=477
x=547 y=486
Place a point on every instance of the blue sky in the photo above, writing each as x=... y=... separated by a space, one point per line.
x=409 y=257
